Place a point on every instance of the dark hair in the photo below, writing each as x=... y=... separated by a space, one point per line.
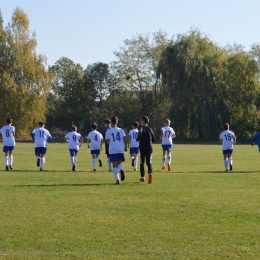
x=114 y=120
x=74 y=128
x=136 y=124
x=9 y=120
x=94 y=126
x=226 y=126
x=107 y=121
x=145 y=119
x=41 y=123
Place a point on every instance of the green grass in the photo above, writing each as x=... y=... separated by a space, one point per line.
x=197 y=211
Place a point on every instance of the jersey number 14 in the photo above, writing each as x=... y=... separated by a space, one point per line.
x=117 y=137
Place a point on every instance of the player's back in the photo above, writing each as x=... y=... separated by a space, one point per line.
x=115 y=135
x=167 y=133
x=134 y=134
x=95 y=138
x=41 y=137
x=227 y=139
x=8 y=132
x=73 y=138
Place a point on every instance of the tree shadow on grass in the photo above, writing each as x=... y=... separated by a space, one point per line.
x=47 y=171
x=61 y=185
x=219 y=172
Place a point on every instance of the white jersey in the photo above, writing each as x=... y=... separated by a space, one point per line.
x=133 y=133
x=116 y=137
x=41 y=137
x=227 y=139
x=74 y=139
x=96 y=139
x=167 y=132
x=8 y=133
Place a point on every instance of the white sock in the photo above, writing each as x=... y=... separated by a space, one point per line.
x=120 y=167
x=169 y=159
x=230 y=161
x=37 y=157
x=42 y=162
x=6 y=160
x=97 y=158
x=109 y=164
x=226 y=164
x=136 y=163
x=72 y=160
x=115 y=172
x=94 y=164
x=163 y=160
x=11 y=159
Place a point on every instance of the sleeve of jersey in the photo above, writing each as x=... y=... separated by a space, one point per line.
x=49 y=137
x=32 y=135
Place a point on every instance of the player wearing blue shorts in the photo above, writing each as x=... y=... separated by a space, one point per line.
x=95 y=139
x=75 y=141
x=254 y=138
x=133 y=144
x=117 y=140
x=40 y=136
x=228 y=140
x=167 y=134
x=8 y=134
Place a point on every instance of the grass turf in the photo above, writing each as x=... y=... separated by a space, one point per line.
x=197 y=211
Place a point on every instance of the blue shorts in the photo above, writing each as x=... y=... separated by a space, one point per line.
x=7 y=149
x=95 y=151
x=73 y=152
x=134 y=150
x=228 y=151
x=167 y=147
x=118 y=157
x=40 y=150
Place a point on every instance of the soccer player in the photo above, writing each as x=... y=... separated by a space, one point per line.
x=96 y=145
x=107 y=124
x=228 y=140
x=40 y=136
x=146 y=137
x=167 y=134
x=8 y=134
x=117 y=140
x=133 y=144
x=255 y=137
x=75 y=141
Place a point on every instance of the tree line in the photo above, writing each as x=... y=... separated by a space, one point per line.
x=188 y=78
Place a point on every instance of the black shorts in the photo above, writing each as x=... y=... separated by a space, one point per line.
x=107 y=149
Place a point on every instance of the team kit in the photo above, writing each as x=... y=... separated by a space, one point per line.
x=139 y=140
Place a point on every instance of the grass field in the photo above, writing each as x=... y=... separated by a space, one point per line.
x=197 y=211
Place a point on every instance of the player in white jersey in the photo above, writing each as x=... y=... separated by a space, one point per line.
x=117 y=145
x=228 y=140
x=8 y=134
x=95 y=139
x=133 y=144
x=40 y=136
x=167 y=134
x=75 y=141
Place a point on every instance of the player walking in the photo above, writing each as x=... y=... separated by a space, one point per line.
x=95 y=139
x=228 y=140
x=75 y=142
x=40 y=136
x=133 y=144
x=107 y=125
x=167 y=134
x=254 y=138
x=8 y=134
x=116 y=138
x=146 y=137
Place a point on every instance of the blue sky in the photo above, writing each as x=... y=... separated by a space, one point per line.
x=88 y=31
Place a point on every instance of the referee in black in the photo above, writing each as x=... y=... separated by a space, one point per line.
x=146 y=139
x=107 y=124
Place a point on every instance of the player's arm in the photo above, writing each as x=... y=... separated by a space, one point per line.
x=140 y=133
x=221 y=141
x=234 y=140
x=32 y=134
x=101 y=142
x=161 y=135
x=173 y=136
x=129 y=140
x=88 y=141
x=254 y=138
x=80 y=141
x=49 y=138
x=125 y=141
x=153 y=136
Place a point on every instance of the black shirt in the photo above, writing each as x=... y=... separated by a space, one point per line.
x=146 y=137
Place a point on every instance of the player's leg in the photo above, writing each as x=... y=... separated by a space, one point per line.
x=5 y=150
x=120 y=166
x=108 y=158
x=132 y=156
x=225 y=155
x=43 y=151
x=114 y=161
x=11 y=159
x=142 y=160
x=135 y=161
x=93 y=160
x=37 y=156
x=73 y=155
x=98 y=158
x=148 y=158
x=169 y=157
x=230 y=161
x=163 y=158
